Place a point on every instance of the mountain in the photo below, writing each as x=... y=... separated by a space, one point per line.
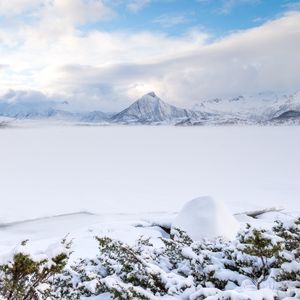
x=291 y=114
x=50 y=110
x=288 y=117
x=150 y=109
x=259 y=108
x=262 y=108
x=94 y=116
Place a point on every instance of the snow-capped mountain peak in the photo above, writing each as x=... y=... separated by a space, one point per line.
x=149 y=100
x=151 y=109
x=151 y=94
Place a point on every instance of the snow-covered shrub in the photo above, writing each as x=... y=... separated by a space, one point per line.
x=257 y=258
x=290 y=232
x=215 y=294
x=27 y=276
x=255 y=253
x=128 y=272
x=258 y=264
x=171 y=255
x=200 y=259
x=120 y=259
x=144 y=271
x=289 y=257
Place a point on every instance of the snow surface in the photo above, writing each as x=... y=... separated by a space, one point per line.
x=53 y=170
x=123 y=181
x=205 y=217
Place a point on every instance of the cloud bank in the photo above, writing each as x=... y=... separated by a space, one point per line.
x=50 y=46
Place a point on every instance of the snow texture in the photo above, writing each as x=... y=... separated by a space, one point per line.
x=53 y=170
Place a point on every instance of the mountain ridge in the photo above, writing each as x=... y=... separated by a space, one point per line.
x=262 y=109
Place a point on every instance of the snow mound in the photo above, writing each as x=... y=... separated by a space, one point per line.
x=204 y=217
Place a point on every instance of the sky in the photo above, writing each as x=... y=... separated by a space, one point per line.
x=104 y=54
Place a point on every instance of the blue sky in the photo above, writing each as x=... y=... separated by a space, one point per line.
x=103 y=54
x=175 y=17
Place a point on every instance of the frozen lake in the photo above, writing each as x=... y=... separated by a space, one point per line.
x=52 y=170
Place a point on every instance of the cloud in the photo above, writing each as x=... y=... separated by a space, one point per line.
x=108 y=77
x=292 y=5
x=226 y=6
x=4 y=66
x=17 y=7
x=263 y=58
x=137 y=5
x=97 y=69
x=23 y=96
x=75 y=11
x=167 y=20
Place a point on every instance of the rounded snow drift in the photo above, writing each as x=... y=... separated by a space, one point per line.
x=204 y=217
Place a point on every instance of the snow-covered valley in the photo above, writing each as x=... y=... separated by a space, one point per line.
x=53 y=170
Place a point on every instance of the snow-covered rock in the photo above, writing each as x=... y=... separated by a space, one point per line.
x=205 y=217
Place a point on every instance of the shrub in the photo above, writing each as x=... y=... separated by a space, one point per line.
x=289 y=257
x=128 y=272
x=256 y=253
x=177 y=266
x=34 y=277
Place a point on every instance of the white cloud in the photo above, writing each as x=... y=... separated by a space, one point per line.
x=107 y=70
x=226 y=6
x=292 y=5
x=16 y=7
x=170 y=20
x=75 y=11
x=4 y=66
x=137 y=5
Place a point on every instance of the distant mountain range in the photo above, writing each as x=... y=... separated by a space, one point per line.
x=262 y=109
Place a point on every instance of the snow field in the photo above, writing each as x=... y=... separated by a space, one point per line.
x=53 y=170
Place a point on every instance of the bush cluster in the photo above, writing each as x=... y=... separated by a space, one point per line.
x=266 y=260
